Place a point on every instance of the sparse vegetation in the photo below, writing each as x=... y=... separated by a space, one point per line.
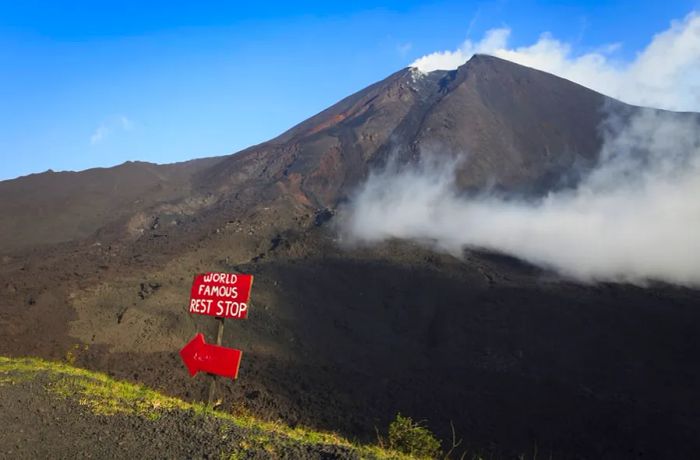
x=412 y=438
x=106 y=396
x=73 y=352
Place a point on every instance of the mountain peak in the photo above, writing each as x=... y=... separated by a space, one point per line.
x=520 y=129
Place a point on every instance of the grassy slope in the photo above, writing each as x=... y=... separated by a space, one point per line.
x=106 y=396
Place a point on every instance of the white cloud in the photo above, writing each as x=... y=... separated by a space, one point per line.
x=109 y=126
x=666 y=74
x=635 y=218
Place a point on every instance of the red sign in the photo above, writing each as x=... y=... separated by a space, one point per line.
x=200 y=356
x=225 y=295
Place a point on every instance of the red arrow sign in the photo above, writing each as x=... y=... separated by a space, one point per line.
x=200 y=356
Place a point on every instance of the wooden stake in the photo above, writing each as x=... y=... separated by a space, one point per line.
x=212 y=385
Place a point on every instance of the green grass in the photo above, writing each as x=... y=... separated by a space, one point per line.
x=106 y=396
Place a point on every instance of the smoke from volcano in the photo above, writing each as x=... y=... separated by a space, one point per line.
x=634 y=218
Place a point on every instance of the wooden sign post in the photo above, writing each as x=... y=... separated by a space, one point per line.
x=222 y=295
x=212 y=385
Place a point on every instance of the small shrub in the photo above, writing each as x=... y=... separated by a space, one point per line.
x=412 y=438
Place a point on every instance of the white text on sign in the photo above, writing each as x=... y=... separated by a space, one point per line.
x=226 y=308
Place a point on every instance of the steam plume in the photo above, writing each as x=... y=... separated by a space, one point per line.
x=634 y=218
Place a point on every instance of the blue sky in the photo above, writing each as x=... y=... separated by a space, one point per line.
x=87 y=84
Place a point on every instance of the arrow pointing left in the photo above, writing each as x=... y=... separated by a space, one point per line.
x=200 y=356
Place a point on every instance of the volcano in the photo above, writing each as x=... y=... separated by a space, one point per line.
x=96 y=268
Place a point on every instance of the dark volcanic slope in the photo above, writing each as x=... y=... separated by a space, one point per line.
x=52 y=207
x=343 y=339
x=520 y=129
